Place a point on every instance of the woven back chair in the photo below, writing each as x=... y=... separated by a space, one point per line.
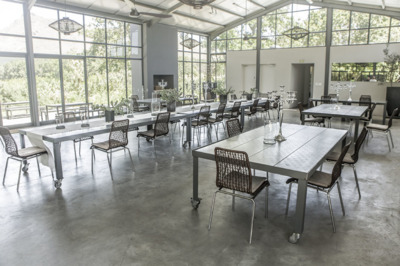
x=118 y=139
x=324 y=182
x=220 y=111
x=326 y=99
x=233 y=127
x=219 y=118
x=20 y=155
x=235 y=111
x=69 y=117
x=357 y=146
x=384 y=128
x=365 y=100
x=234 y=173
x=204 y=113
x=161 y=127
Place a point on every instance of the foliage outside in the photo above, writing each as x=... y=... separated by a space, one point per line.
x=170 y=95
x=222 y=90
x=392 y=65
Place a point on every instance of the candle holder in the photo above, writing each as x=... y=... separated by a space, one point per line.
x=282 y=98
x=351 y=85
x=162 y=84
x=84 y=114
x=337 y=87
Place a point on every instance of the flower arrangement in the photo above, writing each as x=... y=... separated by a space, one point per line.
x=221 y=90
x=170 y=95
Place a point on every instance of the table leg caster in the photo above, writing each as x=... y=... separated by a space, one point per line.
x=57 y=183
x=195 y=203
x=25 y=168
x=294 y=238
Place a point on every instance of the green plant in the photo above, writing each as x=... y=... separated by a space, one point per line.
x=170 y=95
x=221 y=90
x=392 y=65
x=117 y=106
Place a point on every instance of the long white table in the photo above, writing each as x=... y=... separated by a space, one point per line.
x=299 y=156
x=345 y=111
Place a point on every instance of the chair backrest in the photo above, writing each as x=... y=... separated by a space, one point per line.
x=394 y=113
x=236 y=109
x=371 y=111
x=253 y=108
x=204 y=113
x=233 y=127
x=358 y=144
x=301 y=109
x=233 y=170
x=332 y=95
x=326 y=99
x=119 y=133
x=10 y=145
x=69 y=117
x=221 y=109
x=233 y=97
x=337 y=168
x=365 y=100
x=161 y=127
x=267 y=105
x=135 y=97
x=135 y=104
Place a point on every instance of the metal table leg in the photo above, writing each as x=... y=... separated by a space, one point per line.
x=384 y=114
x=195 y=200
x=300 y=211
x=25 y=162
x=242 y=117
x=57 y=164
x=188 y=132
x=356 y=124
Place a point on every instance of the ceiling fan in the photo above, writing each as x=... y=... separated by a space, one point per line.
x=135 y=13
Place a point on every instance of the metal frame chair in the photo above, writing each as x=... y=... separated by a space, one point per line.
x=312 y=120
x=218 y=119
x=351 y=159
x=326 y=99
x=233 y=127
x=265 y=108
x=384 y=128
x=324 y=182
x=253 y=109
x=137 y=107
x=118 y=140
x=234 y=112
x=234 y=173
x=161 y=128
x=21 y=155
x=201 y=120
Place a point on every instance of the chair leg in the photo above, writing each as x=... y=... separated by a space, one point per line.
x=233 y=200
x=288 y=199
x=19 y=175
x=92 y=159
x=391 y=138
x=340 y=197
x=266 y=203
x=130 y=156
x=38 y=166
x=5 y=171
x=76 y=161
x=252 y=220
x=80 y=144
x=109 y=159
x=138 y=142
x=330 y=209
x=356 y=178
x=212 y=210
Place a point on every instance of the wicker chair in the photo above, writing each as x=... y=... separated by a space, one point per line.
x=253 y=109
x=233 y=127
x=351 y=159
x=20 y=155
x=161 y=128
x=118 y=140
x=70 y=117
x=235 y=111
x=233 y=173
x=384 y=128
x=324 y=182
x=311 y=120
x=201 y=120
x=218 y=119
x=325 y=99
x=137 y=107
x=264 y=108
x=370 y=112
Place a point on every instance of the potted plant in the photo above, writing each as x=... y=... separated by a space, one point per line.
x=392 y=67
x=222 y=92
x=248 y=95
x=115 y=108
x=171 y=96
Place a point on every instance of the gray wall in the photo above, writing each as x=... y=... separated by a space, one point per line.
x=160 y=54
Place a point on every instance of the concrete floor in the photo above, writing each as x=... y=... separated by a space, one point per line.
x=145 y=217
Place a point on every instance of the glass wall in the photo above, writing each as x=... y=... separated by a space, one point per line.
x=192 y=63
x=14 y=90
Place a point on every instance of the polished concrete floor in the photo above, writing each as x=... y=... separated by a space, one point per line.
x=144 y=217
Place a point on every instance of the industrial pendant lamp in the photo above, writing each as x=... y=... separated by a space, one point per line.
x=66 y=25
x=197 y=4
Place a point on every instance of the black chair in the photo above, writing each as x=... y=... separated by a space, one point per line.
x=233 y=127
x=20 y=155
x=235 y=111
x=384 y=128
x=137 y=107
x=324 y=182
x=117 y=140
x=311 y=120
x=351 y=159
x=201 y=120
x=264 y=108
x=253 y=109
x=160 y=129
x=233 y=173
x=325 y=99
x=218 y=119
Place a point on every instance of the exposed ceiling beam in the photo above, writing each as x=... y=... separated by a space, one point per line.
x=166 y=11
x=392 y=11
x=225 y=10
x=196 y=18
x=257 y=4
x=251 y=16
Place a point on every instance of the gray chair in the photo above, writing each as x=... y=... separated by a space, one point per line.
x=233 y=127
x=324 y=182
x=384 y=128
x=200 y=121
x=20 y=155
x=351 y=159
x=312 y=120
x=160 y=129
x=117 y=140
x=253 y=109
x=218 y=119
x=234 y=112
x=234 y=175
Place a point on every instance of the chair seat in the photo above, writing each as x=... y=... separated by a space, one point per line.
x=257 y=184
x=150 y=133
x=249 y=112
x=319 y=179
x=314 y=120
x=30 y=151
x=213 y=120
x=229 y=115
x=105 y=145
x=197 y=123
x=334 y=156
x=377 y=127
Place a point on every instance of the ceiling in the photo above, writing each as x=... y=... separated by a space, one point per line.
x=217 y=16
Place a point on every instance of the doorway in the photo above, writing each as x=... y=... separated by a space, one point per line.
x=302 y=81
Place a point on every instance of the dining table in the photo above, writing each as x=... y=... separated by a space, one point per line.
x=299 y=156
x=351 y=112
